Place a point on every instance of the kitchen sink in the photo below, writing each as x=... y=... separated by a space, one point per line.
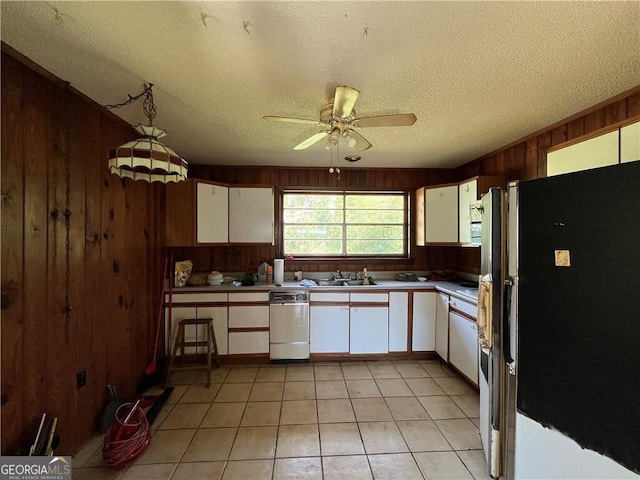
x=352 y=283
x=327 y=282
x=341 y=282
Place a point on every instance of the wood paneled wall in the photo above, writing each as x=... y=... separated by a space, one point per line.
x=247 y=258
x=526 y=159
x=114 y=257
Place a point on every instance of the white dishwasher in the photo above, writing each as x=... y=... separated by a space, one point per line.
x=288 y=325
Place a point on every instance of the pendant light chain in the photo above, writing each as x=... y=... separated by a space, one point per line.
x=148 y=107
x=67 y=308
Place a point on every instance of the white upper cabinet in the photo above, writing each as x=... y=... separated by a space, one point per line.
x=467 y=193
x=599 y=151
x=212 y=221
x=251 y=215
x=630 y=143
x=419 y=217
x=441 y=214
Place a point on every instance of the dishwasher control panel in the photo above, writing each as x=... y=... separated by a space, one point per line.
x=289 y=297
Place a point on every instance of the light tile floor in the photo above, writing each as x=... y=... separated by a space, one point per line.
x=349 y=420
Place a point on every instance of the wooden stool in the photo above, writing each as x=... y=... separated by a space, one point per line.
x=210 y=343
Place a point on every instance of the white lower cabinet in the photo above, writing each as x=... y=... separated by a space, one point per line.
x=248 y=342
x=248 y=316
x=197 y=333
x=398 y=321
x=442 y=326
x=219 y=315
x=329 y=328
x=463 y=345
x=424 y=322
x=369 y=330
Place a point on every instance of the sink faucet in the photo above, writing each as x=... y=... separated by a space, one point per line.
x=338 y=273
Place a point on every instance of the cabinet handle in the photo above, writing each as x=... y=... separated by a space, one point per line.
x=344 y=308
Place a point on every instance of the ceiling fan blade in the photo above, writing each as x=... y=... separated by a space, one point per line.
x=311 y=140
x=399 y=120
x=291 y=120
x=344 y=101
x=361 y=142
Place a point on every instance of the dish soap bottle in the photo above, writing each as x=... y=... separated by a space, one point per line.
x=365 y=277
x=269 y=274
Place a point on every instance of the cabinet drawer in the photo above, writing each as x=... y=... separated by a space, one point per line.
x=249 y=297
x=330 y=297
x=466 y=307
x=370 y=297
x=248 y=342
x=248 y=316
x=196 y=297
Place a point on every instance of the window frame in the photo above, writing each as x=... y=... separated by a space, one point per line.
x=400 y=258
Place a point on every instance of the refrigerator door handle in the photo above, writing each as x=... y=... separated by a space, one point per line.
x=485 y=324
x=506 y=330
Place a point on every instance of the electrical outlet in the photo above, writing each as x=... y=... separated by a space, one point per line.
x=81 y=378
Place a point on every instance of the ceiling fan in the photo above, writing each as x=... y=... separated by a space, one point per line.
x=338 y=119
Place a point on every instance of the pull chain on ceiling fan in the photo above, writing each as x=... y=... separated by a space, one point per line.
x=338 y=119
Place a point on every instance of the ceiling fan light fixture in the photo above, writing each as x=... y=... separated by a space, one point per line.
x=147 y=158
x=351 y=142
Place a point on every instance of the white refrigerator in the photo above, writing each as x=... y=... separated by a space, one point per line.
x=559 y=326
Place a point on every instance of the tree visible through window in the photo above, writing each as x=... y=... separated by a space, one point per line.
x=344 y=223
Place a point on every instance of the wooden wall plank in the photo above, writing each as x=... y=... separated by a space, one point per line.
x=35 y=235
x=93 y=353
x=633 y=105
x=615 y=112
x=15 y=410
x=58 y=366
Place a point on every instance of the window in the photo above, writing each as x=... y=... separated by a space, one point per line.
x=336 y=224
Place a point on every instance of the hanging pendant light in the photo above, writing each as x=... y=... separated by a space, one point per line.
x=147 y=158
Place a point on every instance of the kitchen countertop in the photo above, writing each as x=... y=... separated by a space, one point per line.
x=381 y=284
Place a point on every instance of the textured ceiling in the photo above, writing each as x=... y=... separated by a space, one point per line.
x=478 y=75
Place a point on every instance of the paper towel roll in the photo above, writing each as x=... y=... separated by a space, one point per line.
x=278 y=270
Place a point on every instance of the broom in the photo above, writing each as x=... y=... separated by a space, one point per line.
x=152 y=374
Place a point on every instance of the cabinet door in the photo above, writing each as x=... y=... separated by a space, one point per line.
x=177 y=314
x=441 y=214
x=248 y=316
x=398 y=321
x=251 y=215
x=369 y=330
x=419 y=217
x=329 y=328
x=219 y=315
x=630 y=143
x=424 y=322
x=467 y=193
x=248 y=342
x=596 y=152
x=463 y=345
x=442 y=326
x=212 y=223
